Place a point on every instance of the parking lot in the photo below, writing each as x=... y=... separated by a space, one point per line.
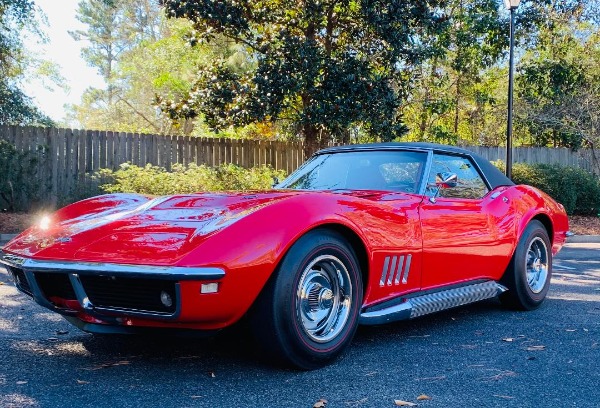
x=480 y=355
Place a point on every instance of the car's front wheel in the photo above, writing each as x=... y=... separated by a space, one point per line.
x=528 y=274
x=308 y=312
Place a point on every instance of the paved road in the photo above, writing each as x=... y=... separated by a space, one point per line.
x=475 y=356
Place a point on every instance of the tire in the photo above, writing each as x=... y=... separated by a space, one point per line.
x=307 y=314
x=530 y=270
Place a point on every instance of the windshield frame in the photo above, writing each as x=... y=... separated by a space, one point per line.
x=421 y=182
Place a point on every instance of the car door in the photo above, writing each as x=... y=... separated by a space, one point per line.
x=463 y=234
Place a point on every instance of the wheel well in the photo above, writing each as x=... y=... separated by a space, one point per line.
x=357 y=245
x=545 y=220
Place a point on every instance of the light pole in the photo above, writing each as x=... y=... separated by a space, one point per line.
x=511 y=5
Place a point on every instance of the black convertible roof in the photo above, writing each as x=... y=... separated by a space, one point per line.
x=494 y=176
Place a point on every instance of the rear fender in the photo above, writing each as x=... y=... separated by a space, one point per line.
x=535 y=204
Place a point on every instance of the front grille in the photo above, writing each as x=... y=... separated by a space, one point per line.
x=55 y=285
x=129 y=293
x=20 y=280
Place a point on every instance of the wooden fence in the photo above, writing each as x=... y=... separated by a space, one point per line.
x=66 y=156
x=583 y=158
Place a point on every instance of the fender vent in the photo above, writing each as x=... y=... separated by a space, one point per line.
x=395 y=270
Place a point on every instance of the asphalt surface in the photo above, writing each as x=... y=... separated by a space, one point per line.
x=475 y=356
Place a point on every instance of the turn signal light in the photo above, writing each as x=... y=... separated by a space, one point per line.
x=209 y=287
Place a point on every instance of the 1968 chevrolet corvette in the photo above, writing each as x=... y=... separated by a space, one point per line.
x=363 y=234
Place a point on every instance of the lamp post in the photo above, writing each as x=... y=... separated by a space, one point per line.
x=511 y=5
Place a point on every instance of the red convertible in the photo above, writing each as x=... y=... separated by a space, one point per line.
x=363 y=234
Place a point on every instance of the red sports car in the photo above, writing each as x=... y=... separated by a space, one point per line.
x=363 y=234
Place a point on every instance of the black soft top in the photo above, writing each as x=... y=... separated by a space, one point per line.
x=494 y=176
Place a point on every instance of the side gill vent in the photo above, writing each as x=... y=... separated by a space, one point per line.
x=395 y=270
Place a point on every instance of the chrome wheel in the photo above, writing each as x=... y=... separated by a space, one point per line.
x=537 y=265
x=324 y=298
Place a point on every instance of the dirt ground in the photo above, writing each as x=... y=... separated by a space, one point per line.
x=17 y=222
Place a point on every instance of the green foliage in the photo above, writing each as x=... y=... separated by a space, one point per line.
x=18 y=187
x=326 y=66
x=141 y=54
x=455 y=92
x=557 y=102
x=576 y=189
x=15 y=107
x=193 y=178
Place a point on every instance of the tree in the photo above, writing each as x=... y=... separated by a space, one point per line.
x=455 y=91
x=326 y=66
x=164 y=66
x=15 y=106
x=558 y=82
x=113 y=27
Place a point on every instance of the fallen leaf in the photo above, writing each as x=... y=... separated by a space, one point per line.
x=21 y=382
x=400 y=403
x=536 y=348
x=508 y=339
x=82 y=382
x=320 y=403
x=423 y=397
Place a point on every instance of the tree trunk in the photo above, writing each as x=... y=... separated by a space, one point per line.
x=311 y=140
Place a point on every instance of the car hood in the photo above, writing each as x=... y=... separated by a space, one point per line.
x=162 y=229
x=157 y=231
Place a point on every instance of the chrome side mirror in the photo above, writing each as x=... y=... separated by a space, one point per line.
x=446 y=180
x=275 y=182
x=442 y=180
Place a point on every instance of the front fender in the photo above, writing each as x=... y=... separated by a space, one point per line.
x=250 y=249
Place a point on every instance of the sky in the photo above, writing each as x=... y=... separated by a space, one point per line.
x=66 y=52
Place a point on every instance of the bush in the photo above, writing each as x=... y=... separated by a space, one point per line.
x=193 y=178
x=576 y=189
x=18 y=178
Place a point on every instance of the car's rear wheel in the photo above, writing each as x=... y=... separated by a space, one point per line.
x=528 y=274
x=308 y=312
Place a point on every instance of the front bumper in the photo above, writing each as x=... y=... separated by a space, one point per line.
x=104 y=291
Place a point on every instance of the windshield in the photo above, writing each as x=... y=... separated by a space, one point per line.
x=394 y=170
